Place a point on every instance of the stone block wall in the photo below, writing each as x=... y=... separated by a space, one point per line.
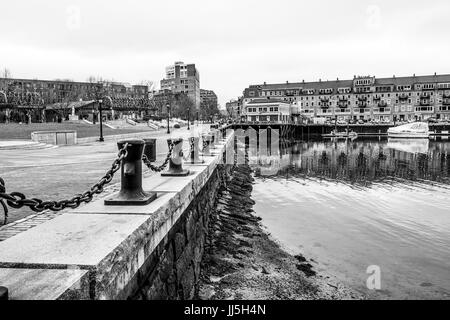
x=173 y=270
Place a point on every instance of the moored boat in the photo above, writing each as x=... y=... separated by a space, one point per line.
x=416 y=130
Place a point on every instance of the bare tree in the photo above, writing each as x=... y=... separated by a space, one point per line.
x=150 y=84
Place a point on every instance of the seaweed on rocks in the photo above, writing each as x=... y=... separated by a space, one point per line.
x=241 y=261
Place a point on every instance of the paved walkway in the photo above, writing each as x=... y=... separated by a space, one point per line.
x=60 y=173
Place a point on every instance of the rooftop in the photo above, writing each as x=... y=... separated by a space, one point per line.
x=334 y=84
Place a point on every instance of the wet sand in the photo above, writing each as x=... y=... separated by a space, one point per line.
x=242 y=261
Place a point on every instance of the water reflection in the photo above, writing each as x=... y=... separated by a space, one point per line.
x=352 y=204
x=358 y=162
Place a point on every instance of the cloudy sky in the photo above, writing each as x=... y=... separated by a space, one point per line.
x=233 y=43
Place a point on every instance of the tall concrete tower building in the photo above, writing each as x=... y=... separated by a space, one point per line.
x=183 y=78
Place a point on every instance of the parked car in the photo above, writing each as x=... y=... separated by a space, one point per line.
x=432 y=120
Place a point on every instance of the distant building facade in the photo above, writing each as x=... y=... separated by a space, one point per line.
x=58 y=91
x=183 y=78
x=363 y=98
x=234 y=108
x=208 y=98
x=45 y=100
x=161 y=99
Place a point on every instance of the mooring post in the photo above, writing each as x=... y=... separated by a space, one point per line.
x=217 y=135
x=176 y=160
x=212 y=140
x=131 y=192
x=206 y=151
x=194 y=151
x=4 y=294
x=150 y=149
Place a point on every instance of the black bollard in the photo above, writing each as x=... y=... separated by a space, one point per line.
x=206 y=145
x=150 y=149
x=176 y=160
x=194 y=151
x=212 y=140
x=131 y=192
x=4 y=294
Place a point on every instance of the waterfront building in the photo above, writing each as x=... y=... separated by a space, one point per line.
x=183 y=78
x=272 y=110
x=363 y=98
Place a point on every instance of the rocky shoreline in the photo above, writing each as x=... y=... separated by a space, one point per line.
x=242 y=261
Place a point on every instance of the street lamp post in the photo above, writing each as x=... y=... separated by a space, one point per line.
x=189 y=118
x=168 y=118
x=100 y=101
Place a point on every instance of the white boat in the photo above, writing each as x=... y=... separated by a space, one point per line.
x=415 y=130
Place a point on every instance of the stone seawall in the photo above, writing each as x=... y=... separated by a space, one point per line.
x=174 y=270
x=120 y=252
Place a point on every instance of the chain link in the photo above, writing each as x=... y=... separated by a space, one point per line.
x=205 y=145
x=2 y=202
x=164 y=164
x=18 y=200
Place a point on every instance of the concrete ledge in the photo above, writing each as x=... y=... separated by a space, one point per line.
x=116 y=137
x=44 y=284
x=108 y=245
x=62 y=137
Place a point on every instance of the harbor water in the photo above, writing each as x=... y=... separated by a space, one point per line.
x=363 y=205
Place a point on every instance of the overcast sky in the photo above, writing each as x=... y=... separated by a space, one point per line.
x=233 y=43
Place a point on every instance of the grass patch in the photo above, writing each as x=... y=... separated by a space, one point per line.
x=23 y=131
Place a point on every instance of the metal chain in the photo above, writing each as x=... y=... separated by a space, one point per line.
x=164 y=164
x=205 y=144
x=5 y=208
x=18 y=200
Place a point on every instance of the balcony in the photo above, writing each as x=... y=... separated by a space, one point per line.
x=376 y=97
x=446 y=94
x=346 y=111
x=324 y=112
x=425 y=95
x=382 y=110
x=362 y=98
x=324 y=99
x=324 y=104
x=382 y=104
x=446 y=102
x=362 y=110
x=343 y=104
x=403 y=96
x=362 y=104
x=426 y=109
